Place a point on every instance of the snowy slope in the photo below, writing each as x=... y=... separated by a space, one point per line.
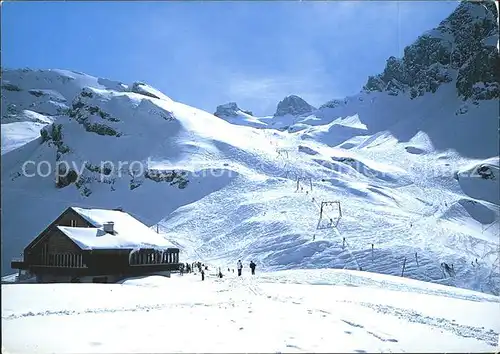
x=245 y=119
x=38 y=97
x=15 y=135
x=292 y=311
x=45 y=92
x=233 y=193
x=399 y=165
x=443 y=120
x=233 y=114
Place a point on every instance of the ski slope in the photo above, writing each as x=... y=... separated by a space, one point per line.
x=15 y=135
x=34 y=98
x=400 y=197
x=331 y=311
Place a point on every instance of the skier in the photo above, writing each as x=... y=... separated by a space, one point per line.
x=447 y=268
x=202 y=275
x=252 y=267
x=239 y=266
x=181 y=268
x=220 y=273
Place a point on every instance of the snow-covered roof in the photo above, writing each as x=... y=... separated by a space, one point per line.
x=128 y=231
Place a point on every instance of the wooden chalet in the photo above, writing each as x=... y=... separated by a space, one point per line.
x=96 y=245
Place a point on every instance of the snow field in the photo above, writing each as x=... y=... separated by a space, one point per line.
x=250 y=314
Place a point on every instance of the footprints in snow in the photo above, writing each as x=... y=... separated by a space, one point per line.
x=352 y=324
x=490 y=336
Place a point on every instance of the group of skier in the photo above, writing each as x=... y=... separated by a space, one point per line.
x=239 y=266
x=189 y=268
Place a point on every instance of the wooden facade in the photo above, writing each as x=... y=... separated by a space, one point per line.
x=54 y=257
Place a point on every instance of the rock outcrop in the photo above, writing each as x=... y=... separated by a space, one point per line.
x=230 y=109
x=293 y=105
x=463 y=48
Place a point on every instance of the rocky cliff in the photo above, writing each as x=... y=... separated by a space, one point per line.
x=463 y=48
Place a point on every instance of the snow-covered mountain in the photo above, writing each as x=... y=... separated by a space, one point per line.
x=293 y=105
x=32 y=98
x=463 y=49
x=230 y=109
x=231 y=113
x=415 y=175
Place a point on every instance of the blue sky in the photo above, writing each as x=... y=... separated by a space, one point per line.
x=209 y=53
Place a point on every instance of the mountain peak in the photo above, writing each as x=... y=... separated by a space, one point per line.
x=229 y=109
x=293 y=105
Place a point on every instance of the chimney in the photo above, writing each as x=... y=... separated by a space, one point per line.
x=109 y=227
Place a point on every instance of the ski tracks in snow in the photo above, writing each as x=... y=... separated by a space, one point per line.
x=242 y=302
x=488 y=336
x=480 y=333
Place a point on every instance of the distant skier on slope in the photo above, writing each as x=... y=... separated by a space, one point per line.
x=239 y=266
x=447 y=268
x=202 y=275
x=252 y=267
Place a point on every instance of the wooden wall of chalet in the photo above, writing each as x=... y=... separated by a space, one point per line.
x=53 y=241
x=68 y=218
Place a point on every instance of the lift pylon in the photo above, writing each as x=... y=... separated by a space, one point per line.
x=283 y=152
x=304 y=181
x=330 y=214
